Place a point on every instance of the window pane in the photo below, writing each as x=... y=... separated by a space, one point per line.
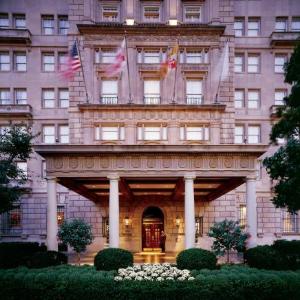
x=239 y=63
x=296 y=24
x=279 y=95
x=20 y=22
x=253 y=63
x=110 y=13
x=151 y=13
x=5 y=96
x=48 y=25
x=4 y=61
x=108 y=56
x=151 y=57
x=253 y=99
x=21 y=96
x=192 y=14
x=63 y=25
x=109 y=88
x=48 y=98
x=152 y=133
x=110 y=133
x=64 y=98
x=49 y=134
x=253 y=27
x=253 y=134
x=193 y=57
x=239 y=134
x=64 y=134
x=4 y=22
x=239 y=27
x=151 y=91
x=281 y=25
x=239 y=98
x=279 y=63
x=48 y=62
x=194 y=133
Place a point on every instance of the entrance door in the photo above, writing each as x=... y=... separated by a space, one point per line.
x=152 y=227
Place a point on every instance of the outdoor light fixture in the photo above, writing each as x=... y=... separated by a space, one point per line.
x=130 y=22
x=177 y=221
x=126 y=221
x=173 y=22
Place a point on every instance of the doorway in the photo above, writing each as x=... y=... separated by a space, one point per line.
x=152 y=226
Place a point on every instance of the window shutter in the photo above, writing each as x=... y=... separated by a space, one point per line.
x=182 y=133
x=139 y=133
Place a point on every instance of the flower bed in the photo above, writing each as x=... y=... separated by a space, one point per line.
x=156 y=272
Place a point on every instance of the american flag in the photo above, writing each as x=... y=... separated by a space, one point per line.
x=119 y=62
x=72 y=64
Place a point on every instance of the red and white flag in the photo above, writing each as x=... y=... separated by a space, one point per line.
x=72 y=64
x=119 y=62
x=170 y=63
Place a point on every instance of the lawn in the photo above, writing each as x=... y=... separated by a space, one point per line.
x=71 y=282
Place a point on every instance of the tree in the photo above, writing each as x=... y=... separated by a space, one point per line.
x=284 y=165
x=77 y=234
x=228 y=235
x=15 y=145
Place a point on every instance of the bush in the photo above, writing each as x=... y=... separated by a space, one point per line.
x=47 y=259
x=291 y=251
x=196 y=259
x=16 y=254
x=69 y=283
x=113 y=259
x=264 y=257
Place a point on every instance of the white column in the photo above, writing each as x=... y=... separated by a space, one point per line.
x=52 y=243
x=189 y=211
x=251 y=211
x=113 y=211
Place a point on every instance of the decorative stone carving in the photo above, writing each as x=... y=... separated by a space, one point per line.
x=135 y=162
x=213 y=162
x=244 y=162
x=228 y=162
x=58 y=164
x=73 y=162
x=89 y=162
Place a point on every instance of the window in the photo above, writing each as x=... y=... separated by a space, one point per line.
x=109 y=92
x=63 y=25
x=194 y=92
x=296 y=24
x=62 y=61
x=193 y=57
x=151 y=56
x=239 y=98
x=243 y=215
x=253 y=27
x=192 y=14
x=110 y=133
x=253 y=99
x=280 y=60
x=60 y=214
x=22 y=165
x=48 y=25
x=48 y=98
x=44 y=169
x=151 y=91
x=152 y=133
x=239 y=60
x=110 y=13
x=279 y=95
x=4 y=21
x=253 y=63
x=253 y=134
x=239 y=137
x=281 y=24
x=20 y=96
x=11 y=221
x=290 y=222
x=20 y=21
x=20 y=62
x=48 y=62
x=63 y=95
x=151 y=13
x=239 y=27
x=106 y=56
x=64 y=134
x=5 y=97
x=49 y=134
x=4 y=61
x=194 y=133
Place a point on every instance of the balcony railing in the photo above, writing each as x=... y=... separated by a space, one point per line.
x=16 y=109
x=287 y=38
x=109 y=100
x=15 y=35
x=194 y=100
x=151 y=100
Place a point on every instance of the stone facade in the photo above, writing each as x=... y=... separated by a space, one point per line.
x=88 y=158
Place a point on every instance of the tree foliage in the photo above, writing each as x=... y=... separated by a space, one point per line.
x=77 y=234
x=15 y=145
x=228 y=235
x=284 y=165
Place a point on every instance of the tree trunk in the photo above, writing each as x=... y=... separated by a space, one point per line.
x=78 y=258
x=227 y=256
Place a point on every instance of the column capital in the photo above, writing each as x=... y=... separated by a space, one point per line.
x=51 y=178
x=113 y=176
x=189 y=176
x=251 y=177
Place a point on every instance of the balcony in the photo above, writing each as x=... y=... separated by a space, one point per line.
x=109 y=100
x=15 y=36
x=152 y=100
x=284 y=38
x=20 y=110
x=194 y=100
x=194 y=68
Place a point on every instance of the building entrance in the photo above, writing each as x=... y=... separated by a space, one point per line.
x=152 y=226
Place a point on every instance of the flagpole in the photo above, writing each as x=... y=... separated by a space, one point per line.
x=129 y=85
x=175 y=79
x=78 y=49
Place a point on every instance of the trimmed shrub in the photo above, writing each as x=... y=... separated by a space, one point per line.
x=113 y=259
x=47 y=259
x=70 y=282
x=264 y=257
x=196 y=259
x=16 y=254
x=290 y=250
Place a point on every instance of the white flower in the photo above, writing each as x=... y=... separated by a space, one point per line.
x=118 y=278
x=191 y=278
x=127 y=278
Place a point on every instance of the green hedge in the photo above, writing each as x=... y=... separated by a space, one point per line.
x=47 y=259
x=113 y=259
x=70 y=283
x=16 y=254
x=196 y=259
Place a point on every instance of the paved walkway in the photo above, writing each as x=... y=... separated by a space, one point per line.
x=139 y=258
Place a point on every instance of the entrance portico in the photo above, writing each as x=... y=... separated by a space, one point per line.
x=156 y=174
